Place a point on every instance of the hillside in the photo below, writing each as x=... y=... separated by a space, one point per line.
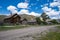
x=28 y=17
x=2 y=17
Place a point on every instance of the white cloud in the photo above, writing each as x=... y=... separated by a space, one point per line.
x=57 y=0
x=13 y=9
x=53 y=4
x=59 y=8
x=46 y=9
x=22 y=5
x=24 y=11
x=35 y=14
x=54 y=17
x=51 y=12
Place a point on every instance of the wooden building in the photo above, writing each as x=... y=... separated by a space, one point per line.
x=13 y=19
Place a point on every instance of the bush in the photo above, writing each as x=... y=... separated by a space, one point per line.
x=54 y=22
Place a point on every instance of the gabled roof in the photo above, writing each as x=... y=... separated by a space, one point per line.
x=14 y=15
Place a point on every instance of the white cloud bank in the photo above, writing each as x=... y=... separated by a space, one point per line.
x=53 y=4
x=46 y=9
x=56 y=0
x=22 y=5
x=50 y=12
x=11 y=8
x=35 y=14
x=24 y=11
x=54 y=17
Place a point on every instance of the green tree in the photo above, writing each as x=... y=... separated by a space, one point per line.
x=54 y=21
x=45 y=17
x=38 y=20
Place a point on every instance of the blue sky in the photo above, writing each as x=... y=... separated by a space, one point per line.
x=33 y=6
x=5 y=3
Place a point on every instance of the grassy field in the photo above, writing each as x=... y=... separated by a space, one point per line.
x=10 y=27
x=4 y=28
x=52 y=35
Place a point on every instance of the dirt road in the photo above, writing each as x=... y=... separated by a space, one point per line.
x=18 y=33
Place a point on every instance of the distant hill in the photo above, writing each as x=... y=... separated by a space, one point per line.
x=28 y=17
x=2 y=17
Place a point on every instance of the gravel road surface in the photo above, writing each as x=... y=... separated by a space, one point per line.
x=19 y=34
